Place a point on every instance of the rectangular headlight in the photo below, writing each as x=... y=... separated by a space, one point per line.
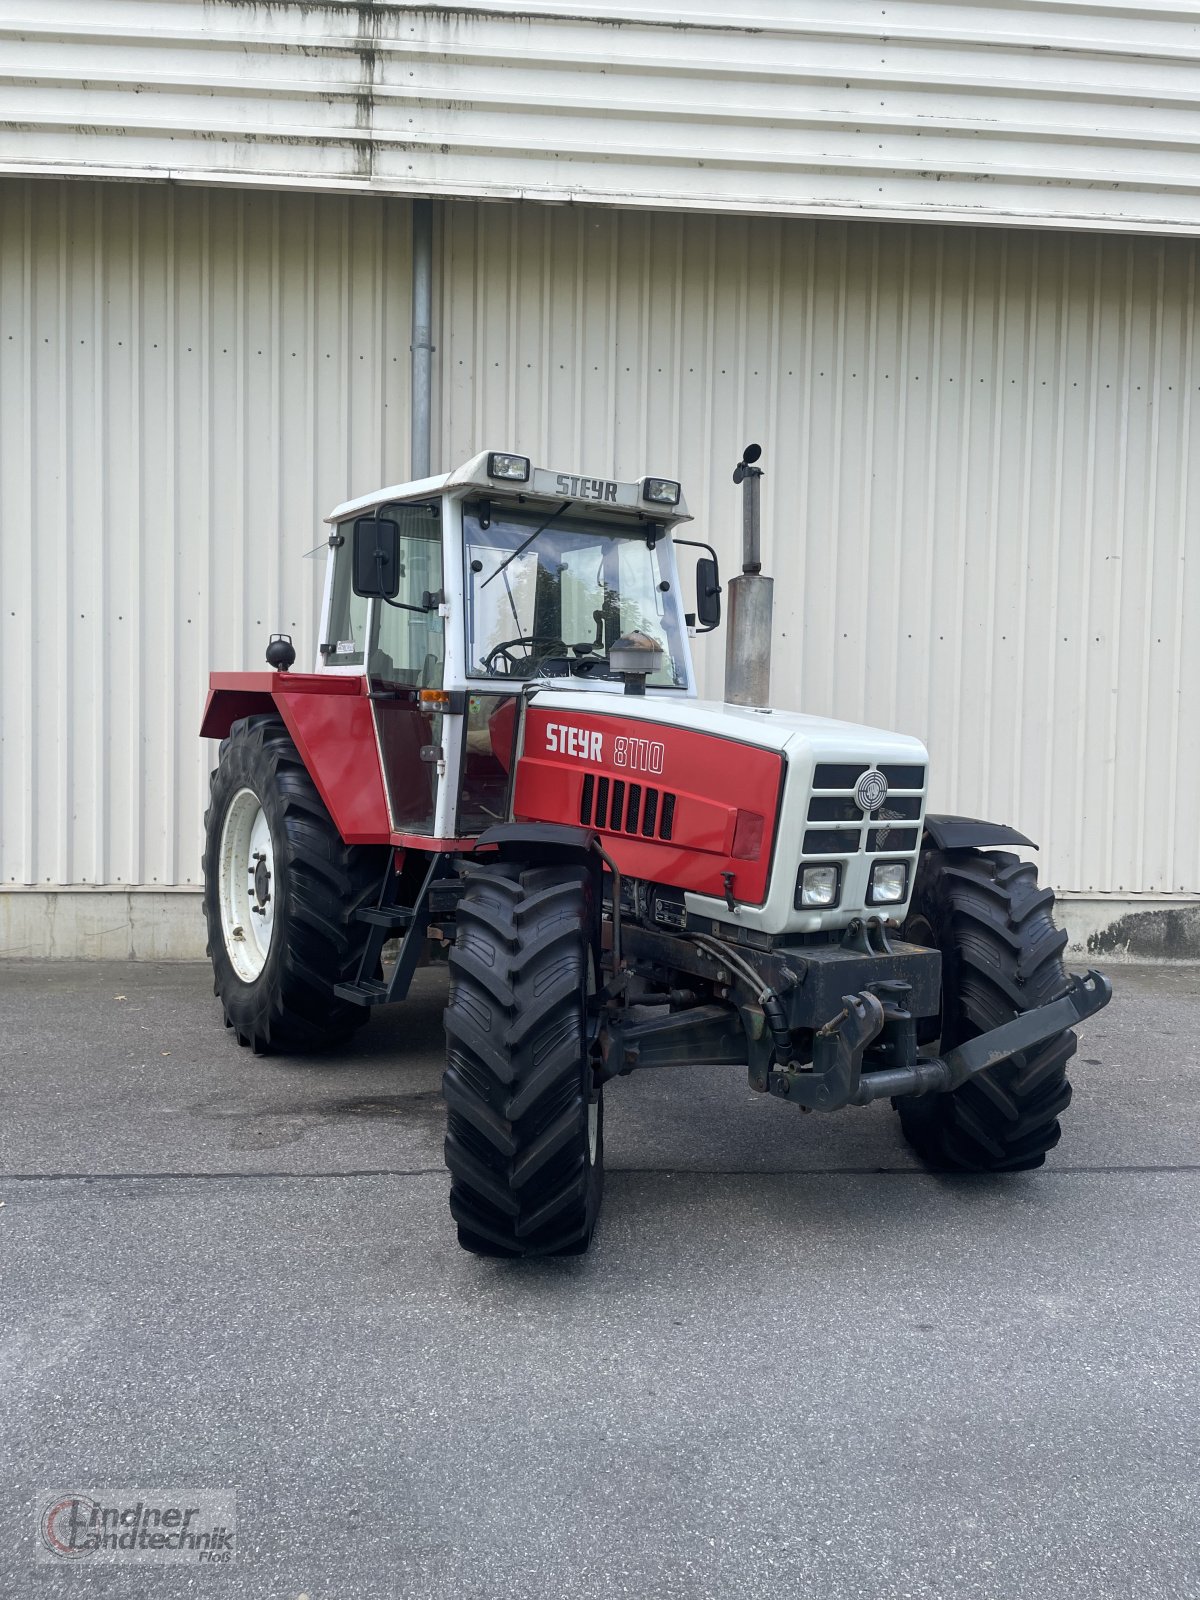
x=662 y=491
x=889 y=883
x=514 y=468
x=817 y=888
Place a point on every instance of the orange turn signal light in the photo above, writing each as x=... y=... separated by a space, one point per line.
x=435 y=697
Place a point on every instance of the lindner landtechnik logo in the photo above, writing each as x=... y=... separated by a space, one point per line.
x=192 y=1525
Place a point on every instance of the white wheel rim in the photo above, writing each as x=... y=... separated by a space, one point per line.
x=246 y=882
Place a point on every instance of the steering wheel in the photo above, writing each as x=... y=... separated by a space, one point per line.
x=529 y=643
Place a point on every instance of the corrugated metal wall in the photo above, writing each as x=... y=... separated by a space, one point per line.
x=187 y=381
x=1052 y=112
x=982 y=520
x=982 y=516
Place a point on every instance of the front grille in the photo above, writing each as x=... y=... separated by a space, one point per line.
x=833 y=808
x=891 y=839
x=904 y=777
x=831 y=841
x=617 y=807
x=836 y=775
x=873 y=832
x=899 y=808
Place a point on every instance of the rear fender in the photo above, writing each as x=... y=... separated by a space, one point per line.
x=332 y=726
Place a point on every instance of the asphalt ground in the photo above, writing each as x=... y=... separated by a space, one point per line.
x=792 y=1364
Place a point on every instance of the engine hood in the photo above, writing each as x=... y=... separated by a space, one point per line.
x=718 y=800
x=792 y=733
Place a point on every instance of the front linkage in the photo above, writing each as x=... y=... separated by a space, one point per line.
x=836 y=1077
x=776 y=1014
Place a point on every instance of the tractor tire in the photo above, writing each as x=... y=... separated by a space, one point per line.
x=276 y=959
x=525 y=1122
x=1001 y=956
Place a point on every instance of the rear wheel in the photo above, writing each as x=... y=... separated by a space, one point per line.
x=1001 y=956
x=525 y=1121
x=281 y=891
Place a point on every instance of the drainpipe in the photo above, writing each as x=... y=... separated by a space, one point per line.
x=422 y=335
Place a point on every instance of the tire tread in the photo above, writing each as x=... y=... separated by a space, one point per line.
x=516 y=1068
x=1001 y=956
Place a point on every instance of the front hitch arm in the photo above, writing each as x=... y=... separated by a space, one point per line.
x=837 y=1078
x=837 y=1057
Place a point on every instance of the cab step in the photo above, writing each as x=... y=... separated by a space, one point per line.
x=387 y=918
x=395 y=918
x=367 y=992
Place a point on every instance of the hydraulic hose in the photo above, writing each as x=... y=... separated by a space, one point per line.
x=768 y=998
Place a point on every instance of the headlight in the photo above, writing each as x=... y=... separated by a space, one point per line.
x=514 y=468
x=817 y=887
x=889 y=883
x=662 y=491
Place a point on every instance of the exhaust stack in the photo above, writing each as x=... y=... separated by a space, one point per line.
x=751 y=600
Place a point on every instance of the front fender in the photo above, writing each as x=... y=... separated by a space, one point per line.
x=969 y=833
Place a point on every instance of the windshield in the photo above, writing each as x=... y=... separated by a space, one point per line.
x=550 y=601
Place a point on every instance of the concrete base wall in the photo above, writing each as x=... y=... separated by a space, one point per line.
x=1105 y=928
x=168 y=925
x=103 y=924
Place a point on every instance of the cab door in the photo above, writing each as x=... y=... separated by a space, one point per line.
x=407 y=654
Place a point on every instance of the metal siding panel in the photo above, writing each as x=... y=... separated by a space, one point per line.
x=188 y=381
x=1046 y=112
x=20 y=775
x=981 y=515
x=978 y=505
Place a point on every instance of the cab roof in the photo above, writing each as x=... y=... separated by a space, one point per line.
x=543 y=487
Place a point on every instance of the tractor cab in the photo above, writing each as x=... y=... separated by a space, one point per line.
x=455 y=594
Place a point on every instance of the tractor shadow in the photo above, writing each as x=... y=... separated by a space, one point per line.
x=389 y=1072
x=678 y=1139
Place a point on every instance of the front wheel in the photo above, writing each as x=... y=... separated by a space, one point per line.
x=1001 y=956
x=525 y=1119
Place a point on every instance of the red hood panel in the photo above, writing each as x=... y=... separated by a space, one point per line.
x=673 y=805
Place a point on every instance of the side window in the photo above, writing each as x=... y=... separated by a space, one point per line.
x=643 y=609
x=584 y=593
x=345 y=638
x=409 y=643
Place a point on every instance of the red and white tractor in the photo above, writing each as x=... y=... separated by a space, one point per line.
x=500 y=759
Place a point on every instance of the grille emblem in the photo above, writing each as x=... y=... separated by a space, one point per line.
x=872 y=790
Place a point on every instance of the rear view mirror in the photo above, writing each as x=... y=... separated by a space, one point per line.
x=708 y=593
x=377 y=558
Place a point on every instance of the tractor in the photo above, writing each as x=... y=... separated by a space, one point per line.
x=500 y=761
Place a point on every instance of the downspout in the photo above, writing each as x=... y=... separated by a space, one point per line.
x=422 y=336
